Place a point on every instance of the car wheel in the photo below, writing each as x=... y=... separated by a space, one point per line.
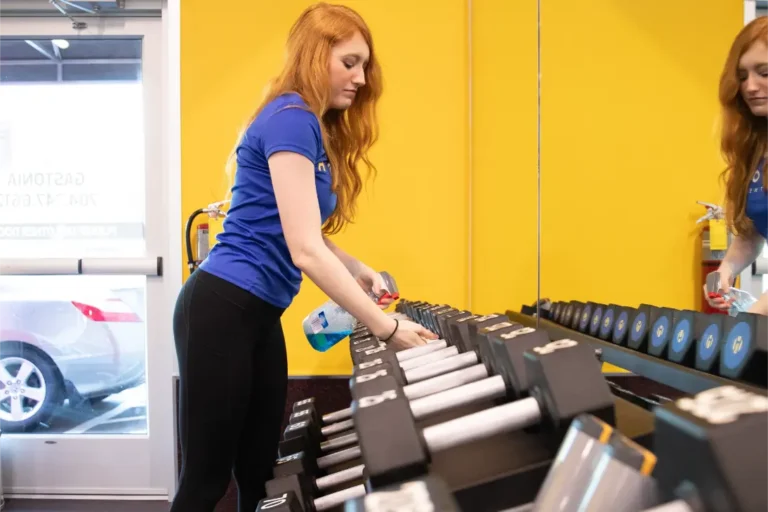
x=30 y=387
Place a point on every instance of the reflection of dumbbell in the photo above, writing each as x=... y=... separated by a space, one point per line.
x=565 y=381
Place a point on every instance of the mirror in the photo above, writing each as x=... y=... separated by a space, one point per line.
x=630 y=143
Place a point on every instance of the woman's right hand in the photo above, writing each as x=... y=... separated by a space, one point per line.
x=410 y=334
x=726 y=281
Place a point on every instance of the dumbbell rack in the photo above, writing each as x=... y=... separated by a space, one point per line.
x=683 y=378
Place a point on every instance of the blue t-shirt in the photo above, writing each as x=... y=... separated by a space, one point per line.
x=757 y=201
x=252 y=251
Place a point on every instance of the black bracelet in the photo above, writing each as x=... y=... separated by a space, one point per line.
x=397 y=324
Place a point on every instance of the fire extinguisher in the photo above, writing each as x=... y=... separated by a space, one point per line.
x=710 y=258
x=214 y=211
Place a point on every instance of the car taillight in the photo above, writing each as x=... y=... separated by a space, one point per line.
x=115 y=310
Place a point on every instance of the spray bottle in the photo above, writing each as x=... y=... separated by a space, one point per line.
x=330 y=323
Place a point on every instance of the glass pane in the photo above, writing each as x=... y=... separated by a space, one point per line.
x=72 y=184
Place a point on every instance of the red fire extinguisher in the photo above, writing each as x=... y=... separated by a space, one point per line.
x=711 y=258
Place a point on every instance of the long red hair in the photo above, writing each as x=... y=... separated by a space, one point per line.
x=743 y=141
x=347 y=135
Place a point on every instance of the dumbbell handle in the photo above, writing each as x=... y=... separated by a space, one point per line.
x=339 y=457
x=430 y=346
x=436 y=355
x=338 y=498
x=335 y=428
x=339 y=442
x=445 y=381
x=481 y=425
x=340 y=477
x=486 y=389
x=672 y=506
x=415 y=391
x=409 y=353
x=449 y=364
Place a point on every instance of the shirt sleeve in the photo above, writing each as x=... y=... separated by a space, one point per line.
x=292 y=129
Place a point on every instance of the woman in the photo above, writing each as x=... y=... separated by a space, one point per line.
x=744 y=100
x=297 y=181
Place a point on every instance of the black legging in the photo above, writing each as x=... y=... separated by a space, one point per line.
x=233 y=378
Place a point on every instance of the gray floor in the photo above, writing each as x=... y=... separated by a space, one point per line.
x=18 y=505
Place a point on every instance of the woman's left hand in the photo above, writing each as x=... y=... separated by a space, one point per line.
x=371 y=281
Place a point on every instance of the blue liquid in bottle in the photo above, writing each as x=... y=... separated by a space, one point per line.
x=328 y=325
x=322 y=342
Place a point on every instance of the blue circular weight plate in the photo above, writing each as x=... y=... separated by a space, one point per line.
x=620 y=327
x=607 y=322
x=586 y=314
x=736 y=346
x=682 y=336
x=638 y=327
x=660 y=328
x=596 y=316
x=708 y=343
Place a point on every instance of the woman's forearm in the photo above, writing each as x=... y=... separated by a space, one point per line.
x=743 y=251
x=352 y=264
x=761 y=306
x=328 y=272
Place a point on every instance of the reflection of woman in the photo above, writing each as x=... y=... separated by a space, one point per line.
x=297 y=180
x=744 y=100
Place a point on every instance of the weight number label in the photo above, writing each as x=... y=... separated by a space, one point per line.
x=724 y=404
x=365 y=349
x=268 y=503
x=371 y=376
x=554 y=346
x=369 y=401
x=305 y=401
x=411 y=497
x=486 y=317
x=496 y=327
x=288 y=458
x=374 y=351
x=300 y=414
x=470 y=317
x=370 y=364
x=296 y=426
x=519 y=332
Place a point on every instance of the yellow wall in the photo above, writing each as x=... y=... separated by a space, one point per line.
x=413 y=220
x=629 y=144
x=504 y=132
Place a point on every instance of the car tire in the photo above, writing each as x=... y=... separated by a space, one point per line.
x=41 y=393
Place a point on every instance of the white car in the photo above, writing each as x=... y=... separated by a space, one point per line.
x=61 y=343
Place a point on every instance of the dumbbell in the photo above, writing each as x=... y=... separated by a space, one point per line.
x=734 y=347
x=565 y=381
x=597 y=468
x=710 y=452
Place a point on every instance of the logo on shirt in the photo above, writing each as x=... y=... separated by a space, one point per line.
x=756 y=180
x=324 y=167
